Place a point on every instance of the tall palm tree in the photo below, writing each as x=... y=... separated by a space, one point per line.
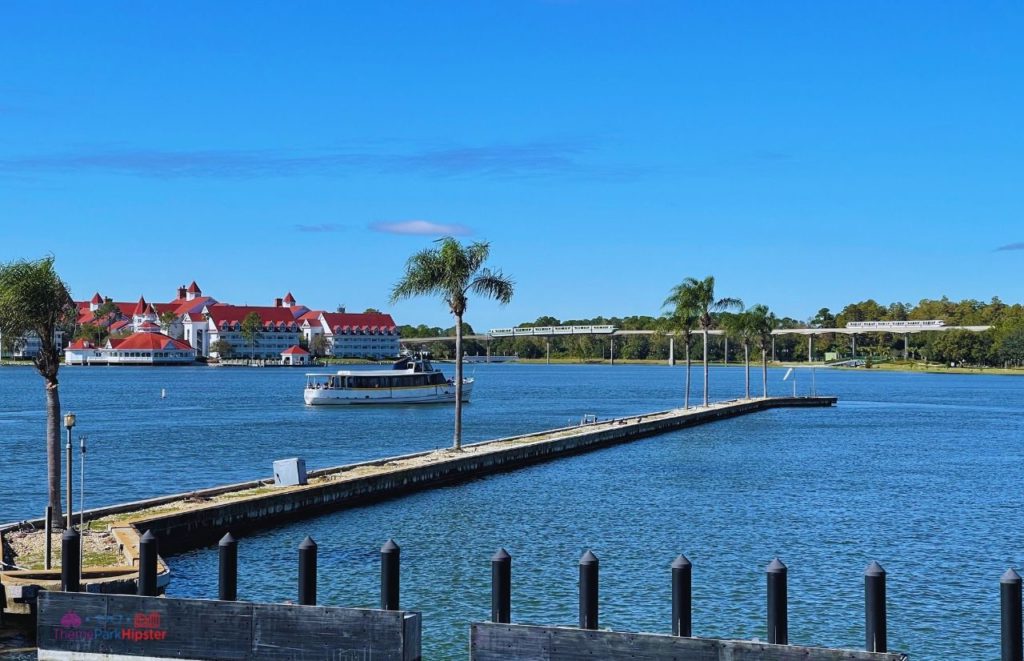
x=453 y=271
x=700 y=294
x=34 y=300
x=762 y=323
x=741 y=327
x=684 y=318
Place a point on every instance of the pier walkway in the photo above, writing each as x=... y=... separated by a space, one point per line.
x=191 y=520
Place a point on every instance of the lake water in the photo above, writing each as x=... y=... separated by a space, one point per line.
x=920 y=472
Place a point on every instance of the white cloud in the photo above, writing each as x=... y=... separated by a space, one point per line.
x=421 y=228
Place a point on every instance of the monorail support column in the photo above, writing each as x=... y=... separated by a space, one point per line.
x=906 y=346
x=726 y=350
x=853 y=341
x=611 y=349
x=810 y=348
x=487 y=345
x=671 y=351
x=547 y=350
x=773 y=348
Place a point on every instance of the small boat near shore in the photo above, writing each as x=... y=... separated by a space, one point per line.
x=411 y=380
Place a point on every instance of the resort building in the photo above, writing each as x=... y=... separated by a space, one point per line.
x=205 y=324
x=145 y=348
x=353 y=335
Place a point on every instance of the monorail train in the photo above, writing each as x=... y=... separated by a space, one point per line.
x=550 y=330
x=888 y=325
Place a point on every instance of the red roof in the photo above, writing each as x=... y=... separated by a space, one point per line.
x=357 y=319
x=115 y=342
x=296 y=350
x=236 y=313
x=119 y=325
x=140 y=307
x=152 y=342
x=195 y=305
x=288 y=298
x=81 y=344
x=96 y=298
x=194 y=288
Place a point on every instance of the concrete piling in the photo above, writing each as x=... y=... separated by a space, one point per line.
x=682 y=604
x=589 y=566
x=778 y=617
x=227 y=584
x=874 y=609
x=307 y=572
x=390 y=562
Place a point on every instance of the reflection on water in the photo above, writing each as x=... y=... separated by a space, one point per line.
x=920 y=472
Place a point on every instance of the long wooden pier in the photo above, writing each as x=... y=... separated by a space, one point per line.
x=191 y=520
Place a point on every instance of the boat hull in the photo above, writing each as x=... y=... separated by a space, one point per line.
x=436 y=394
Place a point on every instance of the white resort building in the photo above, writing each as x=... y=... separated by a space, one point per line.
x=202 y=325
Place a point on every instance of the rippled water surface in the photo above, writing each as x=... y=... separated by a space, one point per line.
x=921 y=472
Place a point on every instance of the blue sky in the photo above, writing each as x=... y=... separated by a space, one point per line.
x=807 y=154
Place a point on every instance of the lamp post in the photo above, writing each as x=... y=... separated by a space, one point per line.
x=81 y=500
x=69 y=423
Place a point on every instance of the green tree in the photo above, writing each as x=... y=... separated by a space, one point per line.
x=762 y=322
x=684 y=318
x=222 y=348
x=319 y=345
x=453 y=271
x=166 y=319
x=699 y=296
x=740 y=326
x=251 y=327
x=1011 y=346
x=34 y=300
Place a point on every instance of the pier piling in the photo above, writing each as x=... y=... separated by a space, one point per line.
x=501 y=587
x=874 y=609
x=390 y=563
x=148 y=548
x=48 y=544
x=589 y=565
x=1009 y=598
x=682 y=604
x=70 y=561
x=778 y=618
x=307 y=572
x=227 y=585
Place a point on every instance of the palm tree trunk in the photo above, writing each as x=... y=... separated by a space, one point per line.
x=458 y=382
x=53 y=455
x=764 y=371
x=746 y=362
x=705 y=367
x=686 y=398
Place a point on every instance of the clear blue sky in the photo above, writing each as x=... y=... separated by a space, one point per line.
x=807 y=154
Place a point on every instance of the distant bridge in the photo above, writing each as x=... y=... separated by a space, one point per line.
x=853 y=329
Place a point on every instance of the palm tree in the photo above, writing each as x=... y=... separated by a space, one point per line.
x=453 y=271
x=683 y=317
x=699 y=296
x=740 y=326
x=762 y=323
x=34 y=300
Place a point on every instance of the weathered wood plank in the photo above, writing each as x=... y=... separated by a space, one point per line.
x=87 y=624
x=514 y=642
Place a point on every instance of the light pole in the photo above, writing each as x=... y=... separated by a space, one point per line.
x=69 y=422
x=81 y=500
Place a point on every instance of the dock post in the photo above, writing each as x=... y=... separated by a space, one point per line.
x=147 y=565
x=588 y=590
x=1009 y=598
x=228 y=576
x=682 y=597
x=48 y=561
x=778 y=620
x=874 y=609
x=307 y=572
x=70 y=569
x=501 y=587
x=390 y=558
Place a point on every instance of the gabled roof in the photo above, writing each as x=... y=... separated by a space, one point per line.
x=96 y=298
x=140 y=307
x=194 y=288
x=81 y=343
x=152 y=342
x=115 y=342
x=288 y=298
x=195 y=305
x=369 y=319
x=295 y=351
x=236 y=313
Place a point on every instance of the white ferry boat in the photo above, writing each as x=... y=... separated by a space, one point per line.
x=411 y=380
